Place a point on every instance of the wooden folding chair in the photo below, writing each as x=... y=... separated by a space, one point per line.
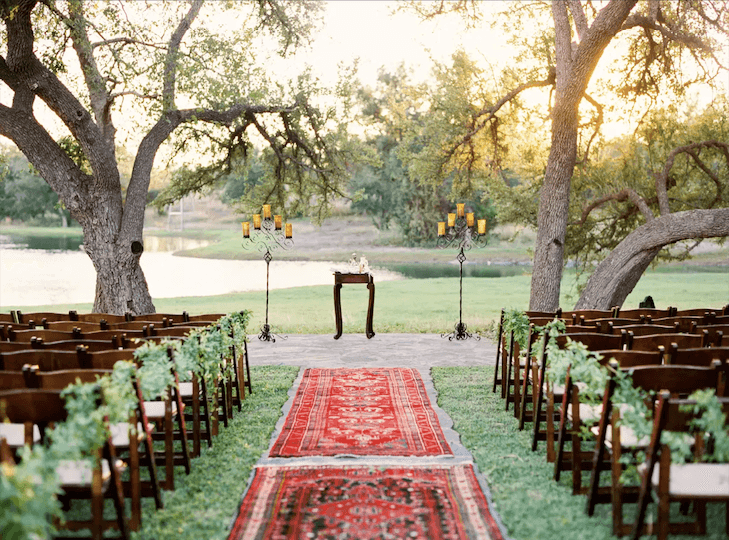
x=161 y=412
x=575 y=413
x=696 y=481
x=612 y=438
x=126 y=437
x=101 y=479
x=593 y=341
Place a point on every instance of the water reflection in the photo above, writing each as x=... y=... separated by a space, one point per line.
x=74 y=243
x=437 y=270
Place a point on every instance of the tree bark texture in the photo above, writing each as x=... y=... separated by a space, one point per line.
x=574 y=69
x=617 y=275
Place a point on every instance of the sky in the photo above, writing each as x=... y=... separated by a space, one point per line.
x=370 y=31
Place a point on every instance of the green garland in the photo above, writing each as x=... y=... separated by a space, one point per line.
x=28 y=490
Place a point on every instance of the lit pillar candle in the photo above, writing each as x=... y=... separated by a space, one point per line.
x=461 y=209
x=266 y=211
x=441 y=228
x=257 y=221
x=469 y=219
x=481 y=226
x=277 y=222
x=246 y=229
x=451 y=220
x=289 y=230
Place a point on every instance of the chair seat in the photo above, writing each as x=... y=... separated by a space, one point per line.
x=156 y=409
x=587 y=412
x=186 y=390
x=78 y=473
x=14 y=434
x=120 y=434
x=628 y=438
x=697 y=480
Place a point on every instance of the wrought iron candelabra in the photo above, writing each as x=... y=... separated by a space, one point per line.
x=269 y=234
x=463 y=232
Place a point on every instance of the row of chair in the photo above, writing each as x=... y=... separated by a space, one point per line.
x=679 y=363
x=30 y=385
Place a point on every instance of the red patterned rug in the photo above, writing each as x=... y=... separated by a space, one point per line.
x=377 y=411
x=434 y=502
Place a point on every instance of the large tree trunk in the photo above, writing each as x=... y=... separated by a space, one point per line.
x=617 y=275
x=574 y=68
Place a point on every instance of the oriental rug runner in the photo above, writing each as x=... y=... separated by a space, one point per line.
x=378 y=411
x=434 y=502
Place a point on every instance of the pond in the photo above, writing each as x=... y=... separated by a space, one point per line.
x=53 y=270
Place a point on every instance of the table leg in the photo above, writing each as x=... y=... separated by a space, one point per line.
x=370 y=310
x=338 y=309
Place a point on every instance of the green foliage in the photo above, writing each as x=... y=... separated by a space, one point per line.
x=385 y=187
x=26 y=196
x=602 y=213
x=28 y=495
x=516 y=321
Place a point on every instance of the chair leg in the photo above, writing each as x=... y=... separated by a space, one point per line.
x=498 y=351
x=206 y=414
x=181 y=425
x=562 y=436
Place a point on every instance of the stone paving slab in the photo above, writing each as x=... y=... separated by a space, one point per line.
x=421 y=351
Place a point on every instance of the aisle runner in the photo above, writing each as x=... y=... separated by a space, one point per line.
x=434 y=502
x=382 y=411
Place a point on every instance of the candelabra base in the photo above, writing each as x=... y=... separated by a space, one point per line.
x=460 y=332
x=267 y=335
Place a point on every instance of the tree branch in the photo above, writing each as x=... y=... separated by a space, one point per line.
x=620 y=196
x=662 y=177
x=693 y=42
x=578 y=16
x=170 y=65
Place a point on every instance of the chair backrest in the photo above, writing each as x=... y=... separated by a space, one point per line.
x=586 y=314
x=74 y=344
x=702 y=356
x=46 y=335
x=14 y=346
x=104 y=359
x=97 y=317
x=173 y=331
x=38 y=316
x=593 y=341
x=10 y=380
x=160 y=317
x=69 y=326
x=681 y=324
x=46 y=359
x=628 y=358
x=676 y=379
x=646 y=329
x=208 y=317
x=645 y=312
x=133 y=326
x=32 y=406
x=651 y=342
x=60 y=379
x=117 y=336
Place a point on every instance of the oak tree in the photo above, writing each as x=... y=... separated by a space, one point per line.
x=658 y=48
x=183 y=74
